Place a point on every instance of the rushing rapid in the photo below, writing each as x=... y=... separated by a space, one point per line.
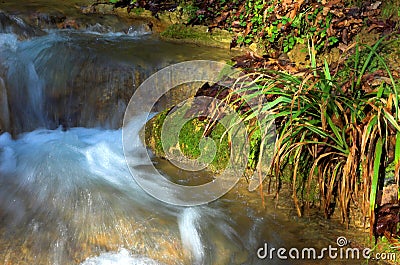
x=66 y=194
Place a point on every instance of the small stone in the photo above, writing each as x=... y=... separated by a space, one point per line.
x=283 y=59
x=298 y=55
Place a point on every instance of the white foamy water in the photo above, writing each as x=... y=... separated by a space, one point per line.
x=133 y=31
x=123 y=257
x=8 y=41
x=63 y=189
x=190 y=236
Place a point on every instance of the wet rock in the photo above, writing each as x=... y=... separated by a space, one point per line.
x=299 y=55
x=68 y=24
x=4 y=110
x=104 y=8
x=133 y=13
x=16 y=25
x=201 y=35
x=77 y=242
x=88 y=9
x=48 y=20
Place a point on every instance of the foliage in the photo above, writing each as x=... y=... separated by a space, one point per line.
x=280 y=24
x=283 y=32
x=335 y=132
x=130 y=2
x=391 y=9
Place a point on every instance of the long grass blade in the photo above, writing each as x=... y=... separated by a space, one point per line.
x=368 y=60
x=397 y=158
x=375 y=178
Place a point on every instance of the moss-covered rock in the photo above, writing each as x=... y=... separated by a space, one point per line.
x=189 y=139
x=197 y=35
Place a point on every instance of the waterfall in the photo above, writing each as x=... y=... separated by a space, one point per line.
x=189 y=223
x=78 y=78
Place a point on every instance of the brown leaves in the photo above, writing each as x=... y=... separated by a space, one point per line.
x=346 y=23
x=388 y=216
x=250 y=62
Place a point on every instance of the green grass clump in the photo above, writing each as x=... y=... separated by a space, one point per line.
x=334 y=132
x=390 y=9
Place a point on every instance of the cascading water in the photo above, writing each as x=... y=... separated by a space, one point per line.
x=74 y=78
x=66 y=194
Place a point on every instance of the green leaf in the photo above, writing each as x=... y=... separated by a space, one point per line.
x=326 y=71
x=335 y=131
x=380 y=90
x=368 y=60
x=375 y=177
x=397 y=149
x=277 y=101
x=391 y=119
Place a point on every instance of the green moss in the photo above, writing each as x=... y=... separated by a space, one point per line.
x=197 y=35
x=189 y=138
x=179 y=31
x=138 y=11
x=153 y=133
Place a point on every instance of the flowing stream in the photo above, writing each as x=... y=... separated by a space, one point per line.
x=66 y=194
